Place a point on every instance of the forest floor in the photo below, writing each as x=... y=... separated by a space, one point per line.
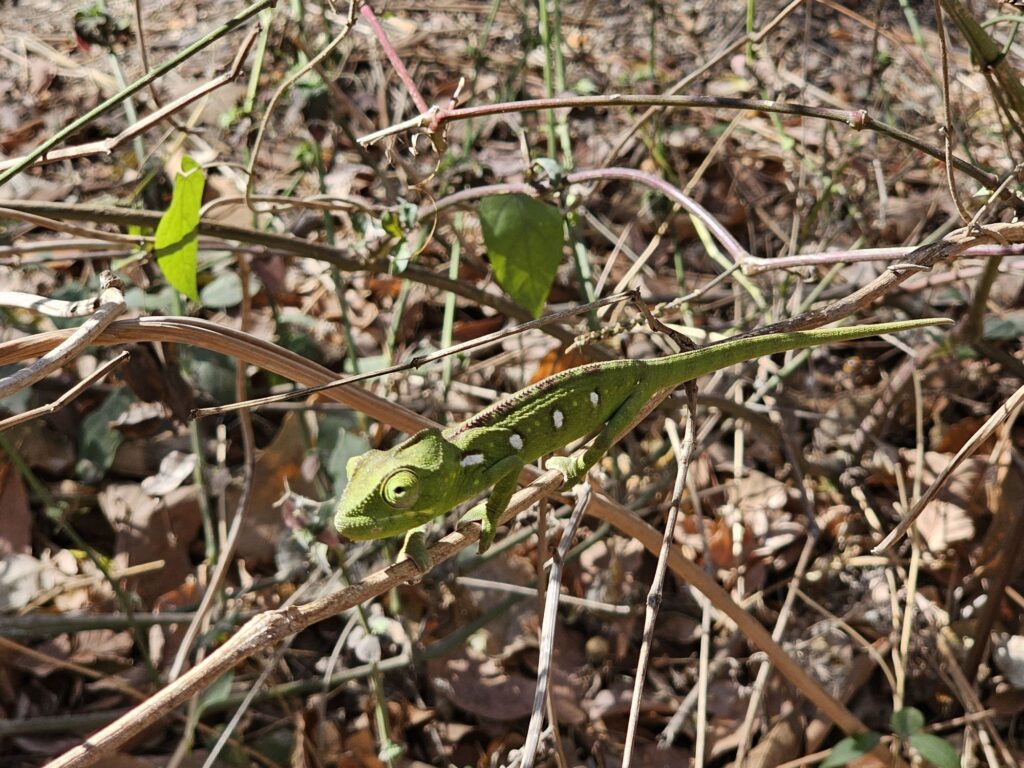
x=798 y=178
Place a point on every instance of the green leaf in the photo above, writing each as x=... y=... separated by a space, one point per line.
x=851 y=748
x=211 y=373
x=177 y=234
x=907 y=721
x=935 y=750
x=225 y=290
x=524 y=241
x=1006 y=327
x=161 y=301
x=97 y=441
x=217 y=692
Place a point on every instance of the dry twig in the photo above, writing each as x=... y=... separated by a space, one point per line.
x=111 y=304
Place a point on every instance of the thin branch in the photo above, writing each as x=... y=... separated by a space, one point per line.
x=947 y=113
x=59 y=226
x=227 y=553
x=1006 y=412
x=803 y=561
x=396 y=61
x=549 y=622
x=756 y=264
x=158 y=72
x=339 y=257
x=487 y=340
x=68 y=396
x=107 y=146
x=654 y=596
x=857 y=119
x=283 y=88
x=111 y=305
x=49 y=307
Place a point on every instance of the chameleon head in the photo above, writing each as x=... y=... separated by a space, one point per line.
x=391 y=492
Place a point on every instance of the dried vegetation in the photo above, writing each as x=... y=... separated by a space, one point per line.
x=798 y=177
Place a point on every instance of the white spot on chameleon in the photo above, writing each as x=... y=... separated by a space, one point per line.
x=558 y=419
x=472 y=459
x=516 y=441
x=594 y=399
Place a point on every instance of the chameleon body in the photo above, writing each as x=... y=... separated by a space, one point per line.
x=398 y=490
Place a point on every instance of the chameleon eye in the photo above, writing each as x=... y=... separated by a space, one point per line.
x=401 y=489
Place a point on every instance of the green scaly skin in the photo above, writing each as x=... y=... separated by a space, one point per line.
x=399 y=490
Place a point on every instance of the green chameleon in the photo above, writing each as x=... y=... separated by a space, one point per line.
x=399 y=490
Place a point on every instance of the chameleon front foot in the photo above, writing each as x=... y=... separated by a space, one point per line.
x=415 y=548
x=488 y=528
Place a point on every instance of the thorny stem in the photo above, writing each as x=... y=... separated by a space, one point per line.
x=436 y=117
x=396 y=61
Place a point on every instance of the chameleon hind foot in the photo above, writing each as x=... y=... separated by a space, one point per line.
x=571 y=467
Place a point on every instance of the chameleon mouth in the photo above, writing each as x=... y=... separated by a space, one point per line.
x=366 y=528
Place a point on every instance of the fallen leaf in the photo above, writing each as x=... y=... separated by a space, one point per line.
x=1008 y=655
x=277 y=467
x=16 y=517
x=153 y=528
x=485 y=690
x=23 y=578
x=175 y=468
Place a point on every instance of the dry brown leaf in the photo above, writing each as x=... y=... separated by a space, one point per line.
x=149 y=529
x=280 y=464
x=487 y=691
x=556 y=361
x=15 y=515
x=949 y=519
x=83 y=648
x=957 y=434
x=780 y=744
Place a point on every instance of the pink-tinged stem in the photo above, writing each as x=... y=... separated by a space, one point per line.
x=392 y=54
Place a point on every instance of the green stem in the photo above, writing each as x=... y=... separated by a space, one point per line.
x=253 y=86
x=549 y=86
x=449 y=304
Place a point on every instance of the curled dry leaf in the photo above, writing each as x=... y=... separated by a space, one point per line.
x=949 y=519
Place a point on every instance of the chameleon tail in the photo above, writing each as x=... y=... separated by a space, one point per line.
x=685 y=366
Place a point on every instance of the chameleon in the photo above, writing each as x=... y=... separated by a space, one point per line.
x=396 y=491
